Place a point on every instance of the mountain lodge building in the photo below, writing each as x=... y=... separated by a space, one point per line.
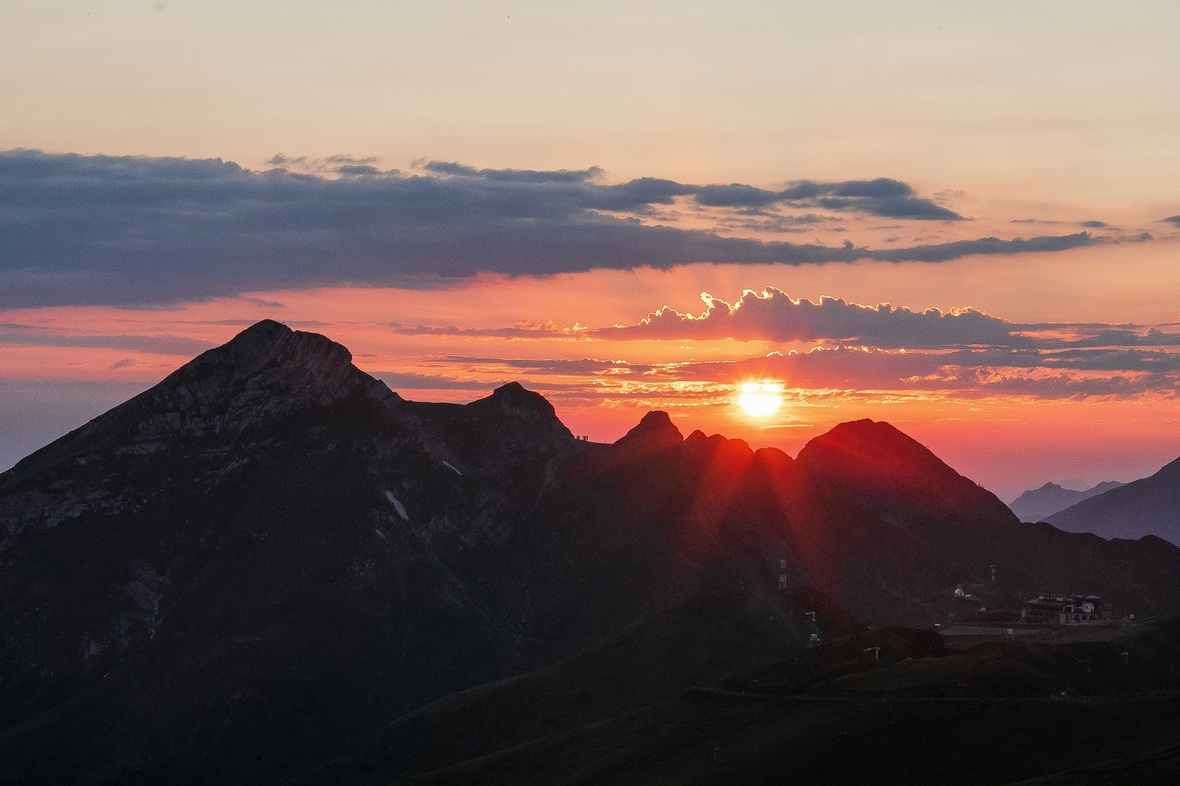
x=1058 y=609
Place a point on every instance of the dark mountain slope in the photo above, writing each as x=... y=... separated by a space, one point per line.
x=885 y=701
x=865 y=514
x=266 y=554
x=1038 y=504
x=698 y=643
x=1150 y=506
x=878 y=467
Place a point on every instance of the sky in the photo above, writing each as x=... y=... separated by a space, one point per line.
x=961 y=218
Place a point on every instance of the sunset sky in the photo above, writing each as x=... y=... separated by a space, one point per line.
x=962 y=218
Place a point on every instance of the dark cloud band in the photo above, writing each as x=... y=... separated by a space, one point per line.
x=135 y=231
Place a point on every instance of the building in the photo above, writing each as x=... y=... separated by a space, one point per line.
x=1056 y=609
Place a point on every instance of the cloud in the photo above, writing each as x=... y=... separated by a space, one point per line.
x=136 y=231
x=561 y=366
x=1173 y=220
x=409 y=380
x=340 y=164
x=152 y=344
x=736 y=195
x=513 y=175
x=969 y=374
x=943 y=252
x=772 y=315
x=881 y=197
x=527 y=330
x=962 y=353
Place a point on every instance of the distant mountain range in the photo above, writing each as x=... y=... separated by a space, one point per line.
x=1039 y=504
x=249 y=572
x=1150 y=506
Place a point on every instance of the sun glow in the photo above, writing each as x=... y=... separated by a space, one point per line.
x=760 y=399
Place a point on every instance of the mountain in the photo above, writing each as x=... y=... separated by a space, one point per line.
x=268 y=553
x=891 y=474
x=1038 y=504
x=1149 y=506
x=269 y=567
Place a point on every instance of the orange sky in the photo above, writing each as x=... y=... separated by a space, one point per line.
x=1006 y=441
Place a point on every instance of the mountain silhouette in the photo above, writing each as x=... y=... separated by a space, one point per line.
x=891 y=473
x=247 y=572
x=1149 y=506
x=1040 y=503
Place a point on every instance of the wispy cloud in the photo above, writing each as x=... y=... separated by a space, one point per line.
x=964 y=375
x=529 y=330
x=150 y=344
x=882 y=197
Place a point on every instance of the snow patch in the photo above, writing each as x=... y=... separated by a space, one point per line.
x=401 y=510
x=452 y=468
x=379 y=533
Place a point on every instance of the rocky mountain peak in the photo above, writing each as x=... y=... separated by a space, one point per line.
x=259 y=339
x=654 y=432
x=529 y=417
x=514 y=397
x=268 y=367
x=888 y=469
x=875 y=445
x=265 y=372
x=269 y=351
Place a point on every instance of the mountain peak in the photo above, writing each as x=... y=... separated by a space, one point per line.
x=866 y=428
x=885 y=466
x=514 y=398
x=654 y=432
x=269 y=343
x=1041 y=503
x=266 y=328
x=877 y=443
x=266 y=370
x=268 y=367
x=516 y=395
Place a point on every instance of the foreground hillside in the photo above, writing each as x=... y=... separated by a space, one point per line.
x=270 y=567
x=893 y=702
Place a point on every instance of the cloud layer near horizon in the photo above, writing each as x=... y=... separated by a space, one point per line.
x=773 y=315
x=854 y=348
x=134 y=231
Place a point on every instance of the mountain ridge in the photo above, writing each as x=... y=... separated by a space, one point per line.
x=1040 y=503
x=1148 y=506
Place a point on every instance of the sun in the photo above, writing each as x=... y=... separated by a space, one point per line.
x=760 y=399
